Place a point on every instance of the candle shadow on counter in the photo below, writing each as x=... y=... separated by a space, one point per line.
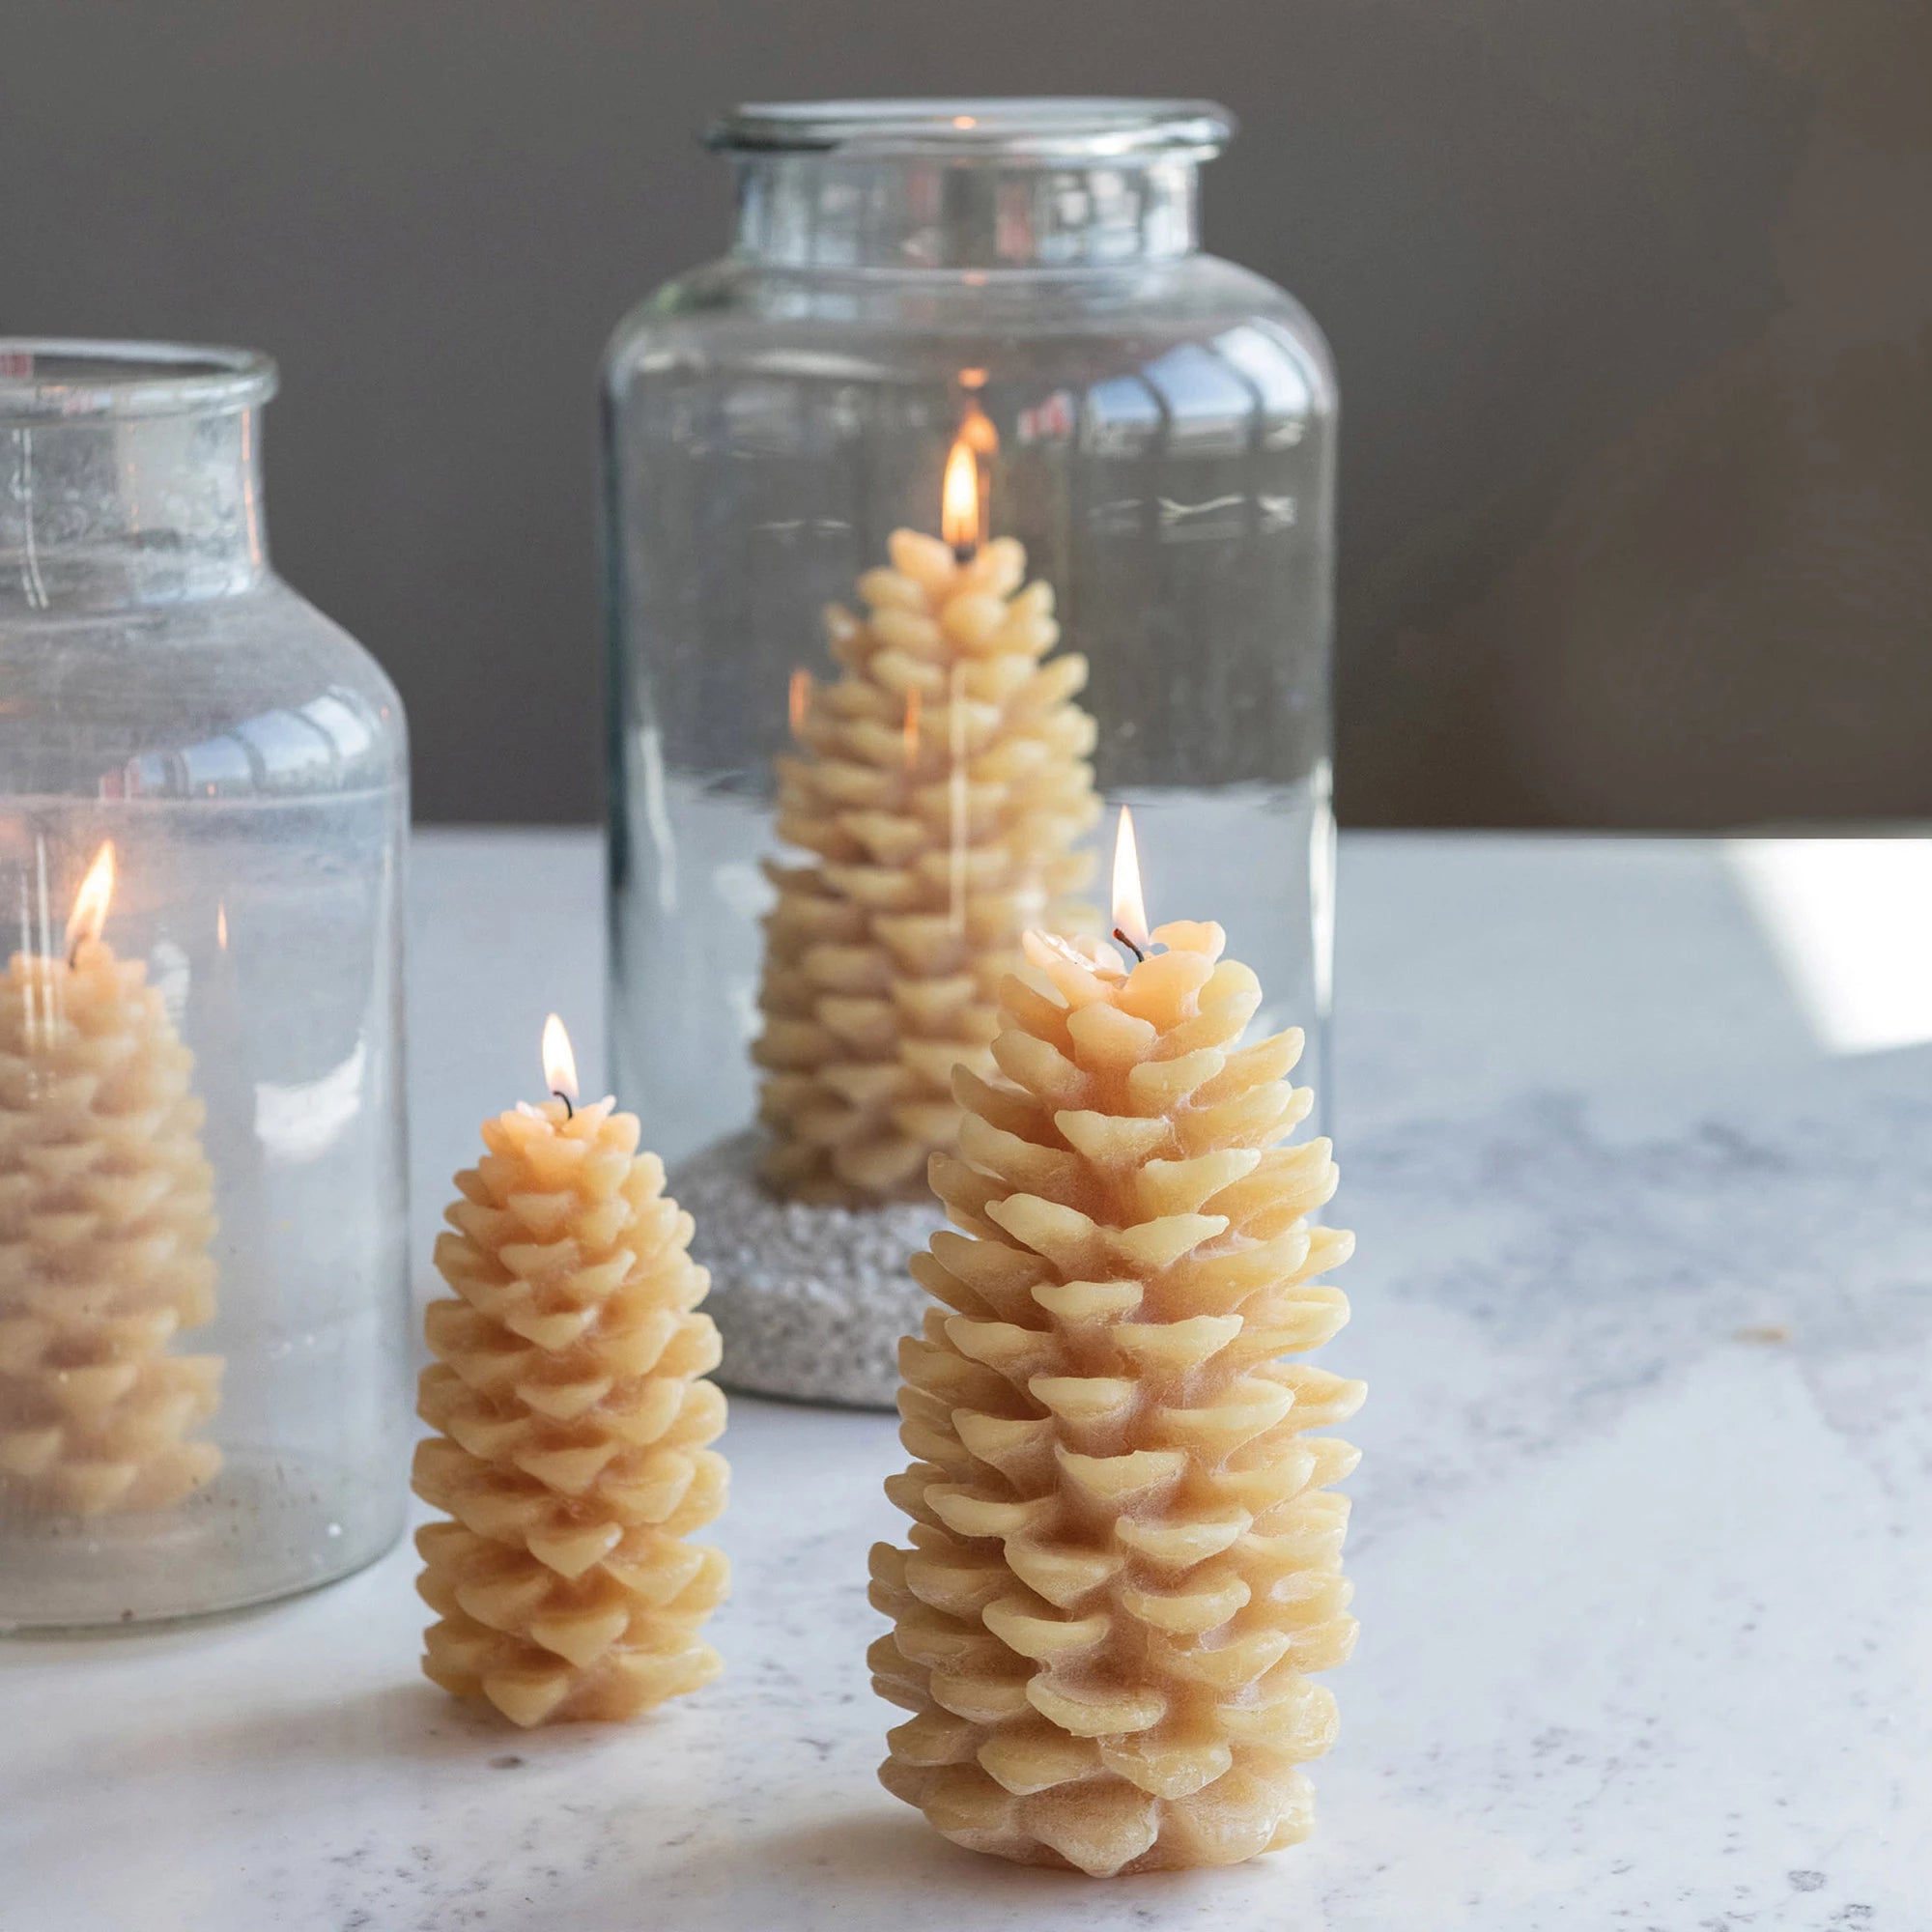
x=401 y=1723
x=388 y=1723
x=886 y=1851
x=861 y=1869
x=572 y=1824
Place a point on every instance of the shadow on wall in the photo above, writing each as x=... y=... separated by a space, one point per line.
x=1710 y=602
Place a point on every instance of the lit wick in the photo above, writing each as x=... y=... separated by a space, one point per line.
x=959 y=501
x=559 y=1064
x=962 y=507
x=91 y=904
x=1130 y=924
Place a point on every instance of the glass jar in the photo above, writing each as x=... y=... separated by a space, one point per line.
x=1154 y=425
x=204 y=1294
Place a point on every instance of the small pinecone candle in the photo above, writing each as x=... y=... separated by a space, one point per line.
x=944 y=787
x=573 y=1424
x=106 y=1218
x=1124 y=1557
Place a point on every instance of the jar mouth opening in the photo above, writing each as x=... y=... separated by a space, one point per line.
x=1046 y=127
x=54 y=379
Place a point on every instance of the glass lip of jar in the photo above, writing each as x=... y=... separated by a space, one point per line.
x=1047 y=128
x=106 y=380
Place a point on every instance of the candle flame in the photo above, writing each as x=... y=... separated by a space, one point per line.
x=559 y=1063
x=95 y=897
x=798 y=700
x=221 y=925
x=1129 y=906
x=912 y=728
x=959 y=497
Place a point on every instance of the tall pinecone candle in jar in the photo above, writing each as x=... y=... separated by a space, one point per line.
x=1124 y=1563
x=573 y=1424
x=942 y=790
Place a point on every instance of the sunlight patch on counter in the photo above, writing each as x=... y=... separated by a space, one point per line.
x=1850 y=922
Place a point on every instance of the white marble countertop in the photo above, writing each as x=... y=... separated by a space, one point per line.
x=1642 y=1538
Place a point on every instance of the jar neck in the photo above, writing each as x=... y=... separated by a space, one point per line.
x=909 y=213
x=102 y=510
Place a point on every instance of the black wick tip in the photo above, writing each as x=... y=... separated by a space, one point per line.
x=569 y=1112
x=1129 y=944
x=965 y=553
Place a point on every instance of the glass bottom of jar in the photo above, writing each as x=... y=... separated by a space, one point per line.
x=263 y=1529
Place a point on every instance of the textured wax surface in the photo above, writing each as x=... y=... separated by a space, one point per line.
x=944 y=787
x=573 y=1428
x=107 y=1214
x=1124 y=1557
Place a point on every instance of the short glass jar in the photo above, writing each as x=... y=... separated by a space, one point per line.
x=1154 y=425
x=204 y=1296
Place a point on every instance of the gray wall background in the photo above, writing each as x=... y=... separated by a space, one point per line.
x=1632 y=305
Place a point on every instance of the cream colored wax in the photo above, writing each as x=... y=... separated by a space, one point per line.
x=1124 y=1560
x=106 y=1216
x=943 y=786
x=574 y=1427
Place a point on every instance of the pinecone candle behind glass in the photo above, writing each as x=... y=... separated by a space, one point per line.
x=944 y=787
x=574 y=1427
x=1126 y=1559
x=106 y=1223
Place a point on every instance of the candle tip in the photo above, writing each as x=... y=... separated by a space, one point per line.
x=961 y=514
x=1130 y=919
x=559 y=1062
x=91 y=902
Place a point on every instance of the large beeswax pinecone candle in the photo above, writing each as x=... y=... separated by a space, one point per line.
x=1126 y=1559
x=573 y=1428
x=944 y=787
x=106 y=1218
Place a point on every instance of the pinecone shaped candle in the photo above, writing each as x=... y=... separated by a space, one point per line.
x=944 y=788
x=573 y=1426
x=1126 y=1559
x=106 y=1216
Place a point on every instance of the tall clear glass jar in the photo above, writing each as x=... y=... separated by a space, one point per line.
x=204 y=1298
x=1154 y=425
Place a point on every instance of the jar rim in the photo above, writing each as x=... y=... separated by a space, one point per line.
x=55 y=378
x=1042 y=127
